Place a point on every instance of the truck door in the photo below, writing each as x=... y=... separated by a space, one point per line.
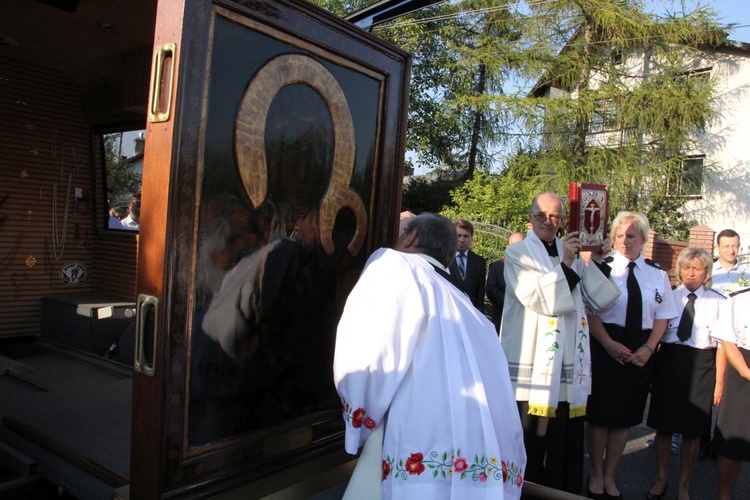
x=273 y=168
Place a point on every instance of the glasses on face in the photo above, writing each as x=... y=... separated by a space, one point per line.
x=542 y=216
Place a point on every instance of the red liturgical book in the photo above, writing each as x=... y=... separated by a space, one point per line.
x=589 y=213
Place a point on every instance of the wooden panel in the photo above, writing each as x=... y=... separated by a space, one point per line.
x=114 y=266
x=45 y=152
x=216 y=216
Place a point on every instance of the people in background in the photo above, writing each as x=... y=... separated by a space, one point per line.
x=732 y=437
x=686 y=382
x=623 y=344
x=116 y=214
x=470 y=268
x=496 y=284
x=132 y=221
x=417 y=359
x=728 y=273
x=545 y=334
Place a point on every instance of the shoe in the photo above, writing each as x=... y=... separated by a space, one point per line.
x=654 y=496
x=591 y=494
x=595 y=496
x=608 y=496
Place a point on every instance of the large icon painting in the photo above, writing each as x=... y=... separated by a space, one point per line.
x=286 y=193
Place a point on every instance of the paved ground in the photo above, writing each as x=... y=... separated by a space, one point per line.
x=637 y=472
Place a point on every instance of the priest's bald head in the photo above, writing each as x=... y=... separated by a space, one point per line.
x=430 y=234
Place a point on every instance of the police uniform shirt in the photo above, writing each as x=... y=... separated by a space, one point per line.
x=734 y=322
x=656 y=292
x=722 y=278
x=708 y=305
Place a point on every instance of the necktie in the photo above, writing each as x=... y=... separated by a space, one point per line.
x=686 y=320
x=462 y=265
x=634 y=318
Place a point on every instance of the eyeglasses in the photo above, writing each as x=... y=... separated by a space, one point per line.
x=542 y=216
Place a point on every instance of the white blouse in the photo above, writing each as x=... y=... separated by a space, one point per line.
x=656 y=292
x=734 y=321
x=708 y=307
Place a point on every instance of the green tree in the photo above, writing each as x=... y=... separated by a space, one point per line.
x=625 y=107
x=422 y=194
x=122 y=182
x=496 y=205
x=613 y=99
x=459 y=65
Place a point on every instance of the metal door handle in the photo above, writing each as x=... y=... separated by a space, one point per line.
x=146 y=334
x=162 y=79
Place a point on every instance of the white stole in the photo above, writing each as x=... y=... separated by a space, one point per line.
x=546 y=374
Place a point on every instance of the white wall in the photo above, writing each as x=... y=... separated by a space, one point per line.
x=725 y=200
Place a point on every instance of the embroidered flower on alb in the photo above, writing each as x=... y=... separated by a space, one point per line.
x=442 y=466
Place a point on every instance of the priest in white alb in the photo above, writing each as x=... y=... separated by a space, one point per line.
x=417 y=361
x=545 y=336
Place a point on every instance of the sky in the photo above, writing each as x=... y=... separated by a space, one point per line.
x=728 y=12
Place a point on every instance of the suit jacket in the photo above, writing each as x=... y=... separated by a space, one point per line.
x=496 y=290
x=474 y=281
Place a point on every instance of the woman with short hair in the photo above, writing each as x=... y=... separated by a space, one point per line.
x=624 y=340
x=686 y=381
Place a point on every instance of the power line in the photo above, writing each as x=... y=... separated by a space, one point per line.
x=486 y=10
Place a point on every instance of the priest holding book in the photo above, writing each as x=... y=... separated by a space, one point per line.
x=544 y=332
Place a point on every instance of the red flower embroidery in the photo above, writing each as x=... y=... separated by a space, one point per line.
x=357 y=417
x=369 y=423
x=505 y=471
x=386 y=470
x=482 y=477
x=519 y=479
x=460 y=465
x=414 y=464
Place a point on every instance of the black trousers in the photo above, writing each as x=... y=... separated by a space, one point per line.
x=554 y=449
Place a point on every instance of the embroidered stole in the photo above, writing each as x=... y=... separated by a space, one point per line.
x=551 y=373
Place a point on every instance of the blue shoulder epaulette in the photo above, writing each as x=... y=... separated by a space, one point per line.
x=609 y=259
x=652 y=263
x=732 y=294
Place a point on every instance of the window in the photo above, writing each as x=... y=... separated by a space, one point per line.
x=123 y=163
x=604 y=118
x=689 y=180
x=616 y=57
x=698 y=76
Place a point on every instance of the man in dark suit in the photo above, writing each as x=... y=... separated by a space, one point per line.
x=496 y=284
x=470 y=268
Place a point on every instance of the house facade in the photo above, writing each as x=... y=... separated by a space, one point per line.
x=722 y=153
x=715 y=180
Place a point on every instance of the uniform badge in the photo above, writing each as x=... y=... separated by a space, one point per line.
x=658 y=298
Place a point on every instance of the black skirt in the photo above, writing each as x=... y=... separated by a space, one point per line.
x=682 y=390
x=618 y=393
x=732 y=436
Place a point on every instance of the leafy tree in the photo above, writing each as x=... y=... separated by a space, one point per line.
x=496 y=205
x=613 y=101
x=423 y=194
x=122 y=182
x=459 y=64
x=626 y=109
